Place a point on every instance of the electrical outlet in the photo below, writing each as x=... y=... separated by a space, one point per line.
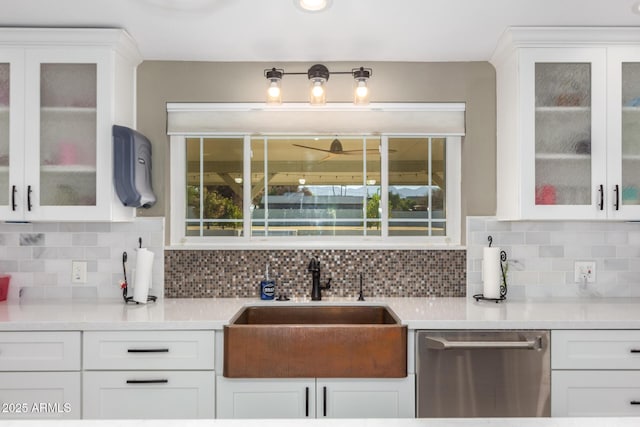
x=585 y=271
x=78 y=271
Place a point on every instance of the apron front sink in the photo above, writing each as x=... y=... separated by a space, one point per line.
x=315 y=341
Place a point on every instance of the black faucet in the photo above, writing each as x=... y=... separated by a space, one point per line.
x=316 y=288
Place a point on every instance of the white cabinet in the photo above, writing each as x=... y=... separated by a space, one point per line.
x=366 y=398
x=61 y=91
x=265 y=398
x=311 y=398
x=568 y=145
x=595 y=373
x=148 y=394
x=148 y=374
x=39 y=375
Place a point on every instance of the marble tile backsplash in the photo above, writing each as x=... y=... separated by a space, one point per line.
x=38 y=256
x=391 y=273
x=541 y=256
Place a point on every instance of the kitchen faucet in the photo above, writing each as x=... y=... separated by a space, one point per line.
x=316 y=288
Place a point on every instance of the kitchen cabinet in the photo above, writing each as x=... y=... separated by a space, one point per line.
x=567 y=143
x=61 y=90
x=315 y=398
x=148 y=374
x=40 y=375
x=595 y=373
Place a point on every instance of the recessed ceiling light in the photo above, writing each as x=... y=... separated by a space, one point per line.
x=636 y=7
x=312 y=5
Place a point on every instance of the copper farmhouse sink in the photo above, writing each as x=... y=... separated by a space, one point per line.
x=322 y=341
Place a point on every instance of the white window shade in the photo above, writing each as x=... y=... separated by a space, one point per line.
x=446 y=119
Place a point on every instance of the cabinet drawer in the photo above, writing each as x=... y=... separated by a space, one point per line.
x=141 y=350
x=595 y=393
x=43 y=395
x=39 y=351
x=148 y=394
x=613 y=349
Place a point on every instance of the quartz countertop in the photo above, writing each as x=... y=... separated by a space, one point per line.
x=417 y=313
x=436 y=422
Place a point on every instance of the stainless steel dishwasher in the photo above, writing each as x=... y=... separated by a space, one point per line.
x=483 y=374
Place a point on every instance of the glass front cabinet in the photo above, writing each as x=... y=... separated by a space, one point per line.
x=57 y=107
x=568 y=126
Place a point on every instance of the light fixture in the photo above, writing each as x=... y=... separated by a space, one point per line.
x=302 y=181
x=318 y=76
x=312 y=5
x=371 y=182
x=274 y=91
x=238 y=180
x=361 y=91
x=635 y=8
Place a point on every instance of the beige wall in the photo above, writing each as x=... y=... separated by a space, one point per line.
x=160 y=82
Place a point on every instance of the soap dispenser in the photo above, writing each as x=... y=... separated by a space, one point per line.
x=267 y=286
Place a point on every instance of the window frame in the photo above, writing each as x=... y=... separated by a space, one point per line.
x=179 y=240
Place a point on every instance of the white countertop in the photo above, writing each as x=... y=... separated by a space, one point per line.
x=436 y=422
x=417 y=313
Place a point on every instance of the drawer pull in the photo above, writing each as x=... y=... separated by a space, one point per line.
x=634 y=350
x=160 y=381
x=148 y=350
x=635 y=402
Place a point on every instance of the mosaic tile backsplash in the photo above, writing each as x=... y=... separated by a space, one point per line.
x=541 y=256
x=38 y=256
x=390 y=273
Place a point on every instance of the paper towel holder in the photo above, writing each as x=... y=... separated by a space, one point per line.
x=124 y=284
x=503 y=285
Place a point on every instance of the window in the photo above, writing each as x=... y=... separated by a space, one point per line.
x=333 y=190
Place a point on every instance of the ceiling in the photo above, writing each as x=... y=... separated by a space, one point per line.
x=350 y=30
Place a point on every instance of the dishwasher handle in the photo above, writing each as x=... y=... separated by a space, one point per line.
x=439 y=343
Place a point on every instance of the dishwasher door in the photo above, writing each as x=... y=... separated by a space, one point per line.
x=483 y=374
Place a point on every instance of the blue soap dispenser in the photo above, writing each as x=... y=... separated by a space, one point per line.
x=267 y=287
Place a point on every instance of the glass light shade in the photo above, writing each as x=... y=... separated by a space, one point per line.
x=274 y=92
x=361 y=92
x=317 y=94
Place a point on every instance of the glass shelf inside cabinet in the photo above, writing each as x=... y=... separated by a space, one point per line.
x=68 y=169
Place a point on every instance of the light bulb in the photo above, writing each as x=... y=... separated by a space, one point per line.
x=274 y=90
x=362 y=90
x=302 y=181
x=317 y=90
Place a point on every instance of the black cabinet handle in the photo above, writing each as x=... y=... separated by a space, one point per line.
x=634 y=402
x=306 y=401
x=13 y=198
x=634 y=350
x=160 y=381
x=601 y=191
x=616 y=190
x=324 y=401
x=29 y=198
x=148 y=350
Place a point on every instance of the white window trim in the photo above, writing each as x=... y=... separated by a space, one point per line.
x=178 y=196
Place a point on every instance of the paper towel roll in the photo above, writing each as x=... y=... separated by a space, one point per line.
x=491 y=272
x=142 y=275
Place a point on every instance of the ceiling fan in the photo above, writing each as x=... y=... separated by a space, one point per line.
x=336 y=149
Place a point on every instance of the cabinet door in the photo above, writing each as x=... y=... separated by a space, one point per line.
x=366 y=398
x=595 y=393
x=11 y=133
x=266 y=398
x=44 y=395
x=563 y=133
x=148 y=394
x=623 y=130
x=67 y=132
